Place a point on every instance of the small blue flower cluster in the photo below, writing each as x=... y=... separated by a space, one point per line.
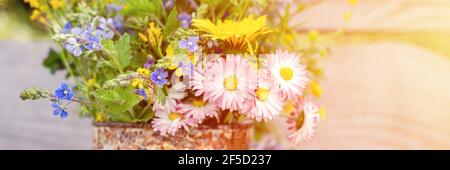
x=62 y=93
x=87 y=38
x=191 y=44
x=111 y=25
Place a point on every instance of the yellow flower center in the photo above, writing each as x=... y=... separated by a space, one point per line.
x=262 y=94
x=173 y=116
x=286 y=73
x=231 y=83
x=300 y=120
x=198 y=103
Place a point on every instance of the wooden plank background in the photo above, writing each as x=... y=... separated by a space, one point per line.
x=31 y=125
x=386 y=84
x=386 y=81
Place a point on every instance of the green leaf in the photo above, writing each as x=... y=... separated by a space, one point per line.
x=53 y=62
x=159 y=7
x=120 y=117
x=146 y=117
x=141 y=8
x=160 y=95
x=119 y=52
x=85 y=112
x=124 y=50
x=172 y=23
x=117 y=102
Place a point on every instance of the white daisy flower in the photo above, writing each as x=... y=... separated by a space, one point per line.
x=168 y=123
x=266 y=104
x=287 y=72
x=231 y=83
x=302 y=123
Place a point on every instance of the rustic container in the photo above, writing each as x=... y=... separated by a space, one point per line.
x=130 y=136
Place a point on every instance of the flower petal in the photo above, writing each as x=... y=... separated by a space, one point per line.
x=183 y=44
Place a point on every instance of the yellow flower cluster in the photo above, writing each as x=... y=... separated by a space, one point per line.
x=38 y=13
x=139 y=82
x=152 y=35
x=33 y=3
x=56 y=4
x=143 y=71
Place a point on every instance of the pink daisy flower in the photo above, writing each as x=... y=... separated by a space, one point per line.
x=302 y=123
x=175 y=93
x=199 y=110
x=287 y=73
x=231 y=83
x=168 y=123
x=266 y=104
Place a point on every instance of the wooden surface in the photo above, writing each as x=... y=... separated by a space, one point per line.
x=380 y=92
x=30 y=124
x=387 y=80
x=385 y=95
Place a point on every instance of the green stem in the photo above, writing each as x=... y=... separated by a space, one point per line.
x=144 y=110
x=66 y=64
x=132 y=113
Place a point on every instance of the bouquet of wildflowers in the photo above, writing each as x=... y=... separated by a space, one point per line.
x=179 y=64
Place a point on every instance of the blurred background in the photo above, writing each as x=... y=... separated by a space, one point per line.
x=386 y=83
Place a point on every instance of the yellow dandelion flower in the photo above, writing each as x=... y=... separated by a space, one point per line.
x=236 y=34
x=56 y=4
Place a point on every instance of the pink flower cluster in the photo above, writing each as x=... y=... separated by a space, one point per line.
x=260 y=90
